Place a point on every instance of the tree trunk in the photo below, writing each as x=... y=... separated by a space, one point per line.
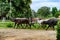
x=3 y=19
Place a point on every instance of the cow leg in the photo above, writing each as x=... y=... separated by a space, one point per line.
x=14 y=25
x=20 y=26
x=23 y=25
x=26 y=26
x=53 y=28
x=47 y=27
x=17 y=26
x=29 y=25
x=44 y=26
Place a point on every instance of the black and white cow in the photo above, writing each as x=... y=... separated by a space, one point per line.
x=50 y=22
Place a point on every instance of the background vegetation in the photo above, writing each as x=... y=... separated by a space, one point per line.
x=21 y=9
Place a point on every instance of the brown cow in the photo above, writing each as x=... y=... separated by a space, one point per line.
x=20 y=21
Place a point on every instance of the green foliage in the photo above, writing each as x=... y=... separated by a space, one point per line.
x=54 y=10
x=21 y=8
x=4 y=8
x=57 y=14
x=9 y=25
x=18 y=8
x=43 y=11
x=4 y=24
x=58 y=31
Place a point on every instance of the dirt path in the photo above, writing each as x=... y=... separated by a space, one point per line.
x=26 y=34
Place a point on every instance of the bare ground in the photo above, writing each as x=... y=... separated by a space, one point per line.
x=27 y=34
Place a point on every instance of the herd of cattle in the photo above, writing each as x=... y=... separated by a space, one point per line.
x=30 y=21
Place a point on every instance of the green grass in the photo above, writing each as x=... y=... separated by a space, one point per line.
x=4 y=24
x=9 y=23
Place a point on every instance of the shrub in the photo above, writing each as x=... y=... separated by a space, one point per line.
x=9 y=25
x=58 y=31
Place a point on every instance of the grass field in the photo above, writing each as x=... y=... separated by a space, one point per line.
x=10 y=24
x=4 y=24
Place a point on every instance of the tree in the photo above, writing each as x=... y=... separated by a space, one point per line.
x=54 y=10
x=57 y=14
x=4 y=9
x=34 y=14
x=22 y=7
x=43 y=11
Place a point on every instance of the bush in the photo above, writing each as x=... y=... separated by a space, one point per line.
x=58 y=31
x=9 y=25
